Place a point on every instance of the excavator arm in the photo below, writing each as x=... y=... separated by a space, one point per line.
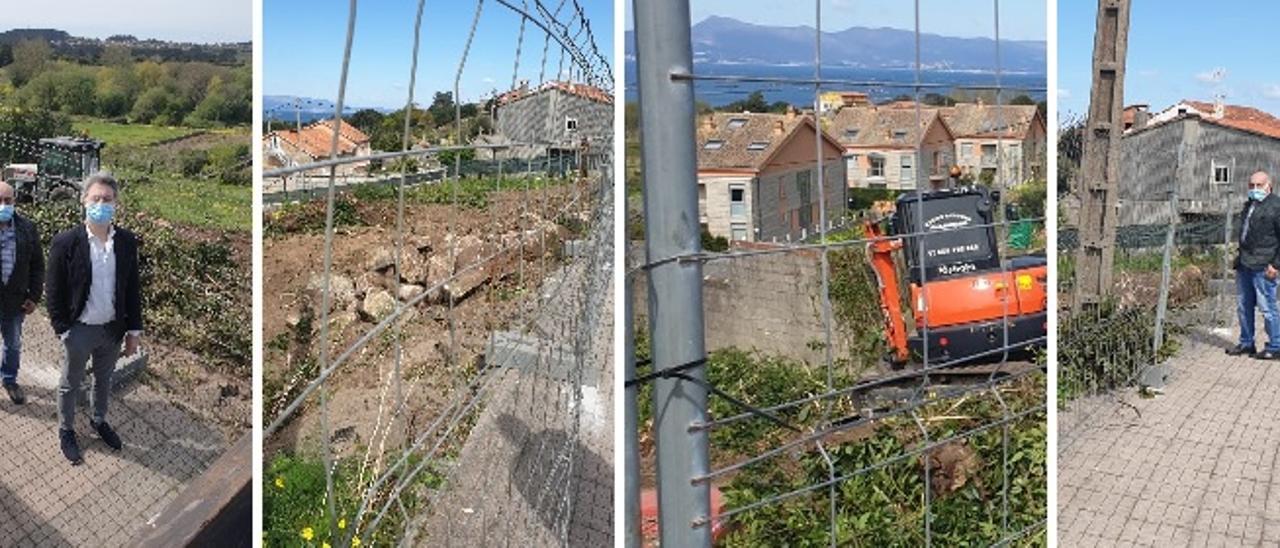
x=880 y=253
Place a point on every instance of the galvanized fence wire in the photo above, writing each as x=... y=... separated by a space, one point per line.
x=819 y=421
x=177 y=405
x=456 y=435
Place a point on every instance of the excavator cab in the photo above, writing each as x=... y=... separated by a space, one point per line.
x=967 y=302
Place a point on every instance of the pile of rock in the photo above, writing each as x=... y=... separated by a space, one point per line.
x=444 y=267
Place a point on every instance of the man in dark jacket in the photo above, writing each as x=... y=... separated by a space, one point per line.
x=94 y=302
x=1256 y=268
x=21 y=285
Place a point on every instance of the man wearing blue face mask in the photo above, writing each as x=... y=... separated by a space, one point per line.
x=21 y=286
x=94 y=302
x=1256 y=268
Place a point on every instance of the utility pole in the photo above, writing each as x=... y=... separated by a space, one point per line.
x=1100 y=172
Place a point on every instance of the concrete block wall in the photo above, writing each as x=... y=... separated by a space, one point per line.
x=768 y=303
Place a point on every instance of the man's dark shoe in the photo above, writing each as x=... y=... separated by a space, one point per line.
x=15 y=394
x=70 y=448
x=1268 y=355
x=1241 y=350
x=107 y=434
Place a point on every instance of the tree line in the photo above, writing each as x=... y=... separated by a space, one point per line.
x=116 y=86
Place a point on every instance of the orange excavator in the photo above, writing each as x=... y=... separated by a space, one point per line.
x=963 y=296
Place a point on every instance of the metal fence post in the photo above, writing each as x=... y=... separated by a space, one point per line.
x=664 y=47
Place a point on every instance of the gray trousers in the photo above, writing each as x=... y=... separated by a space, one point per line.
x=82 y=343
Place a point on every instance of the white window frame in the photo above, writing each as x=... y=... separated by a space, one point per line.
x=1213 y=172
x=906 y=167
x=736 y=229
x=871 y=167
x=571 y=124
x=713 y=144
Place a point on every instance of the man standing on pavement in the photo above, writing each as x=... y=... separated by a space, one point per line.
x=95 y=302
x=21 y=286
x=1256 y=268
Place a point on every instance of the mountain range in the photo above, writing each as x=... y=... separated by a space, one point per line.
x=727 y=40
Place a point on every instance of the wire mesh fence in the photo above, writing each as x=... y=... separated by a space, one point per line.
x=833 y=377
x=438 y=370
x=1183 y=198
x=177 y=404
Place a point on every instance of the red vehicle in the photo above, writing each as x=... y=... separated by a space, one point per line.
x=959 y=288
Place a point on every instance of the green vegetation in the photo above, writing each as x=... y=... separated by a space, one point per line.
x=294 y=504
x=119 y=87
x=1106 y=348
x=124 y=135
x=193 y=202
x=468 y=193
x=878 y=506
x=197 y=290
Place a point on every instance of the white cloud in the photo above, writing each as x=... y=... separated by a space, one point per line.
x=1271 y=91
x=1213 y=76
x=1064 y=93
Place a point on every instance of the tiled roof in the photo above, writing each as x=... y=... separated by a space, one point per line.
x=981 y=120
x=1240 y=117
x=316 y=139
x=891 y=125
x=574 y=88
x=746 y=140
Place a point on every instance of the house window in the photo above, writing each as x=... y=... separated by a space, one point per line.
x=899 y=135
x=1221 y=173
x=735 y=123
x=738 y=202
x=966 y=150
x=571 y=124
x=877 y=167
x=851 y=163
x=738 y=232
x=988 y=150
x=758 y=145
x=851 y=133
x=713 y=144
x=907 y=163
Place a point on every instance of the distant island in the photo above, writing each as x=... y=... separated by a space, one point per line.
x=725 y=40
x=90 y=50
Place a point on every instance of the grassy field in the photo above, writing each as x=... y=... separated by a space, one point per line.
x=195 y=202
x=128 y=134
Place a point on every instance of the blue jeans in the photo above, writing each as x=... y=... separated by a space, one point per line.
x=1255 y=290
x=11 y=332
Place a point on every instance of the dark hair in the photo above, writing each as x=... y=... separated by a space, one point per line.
x=100 y=178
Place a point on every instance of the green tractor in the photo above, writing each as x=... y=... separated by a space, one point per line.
x=63 y=164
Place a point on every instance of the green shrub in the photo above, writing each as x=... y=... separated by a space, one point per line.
x=295 y=505
x=195 y=294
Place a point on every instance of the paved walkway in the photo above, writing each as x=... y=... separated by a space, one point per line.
x=537 y=468
x=44 y=501
x=1197 y=466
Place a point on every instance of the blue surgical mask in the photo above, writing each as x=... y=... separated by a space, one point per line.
x=6 y=212
x=1257 y=194
x=100 y=214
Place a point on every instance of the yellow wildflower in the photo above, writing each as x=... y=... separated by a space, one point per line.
x=342 y=523
x=308 y=533
x=279 y=483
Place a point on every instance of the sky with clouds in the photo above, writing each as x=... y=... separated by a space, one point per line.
x=303 y=43
x=202 y=21
x=1019 y=20
x=1178 y=49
